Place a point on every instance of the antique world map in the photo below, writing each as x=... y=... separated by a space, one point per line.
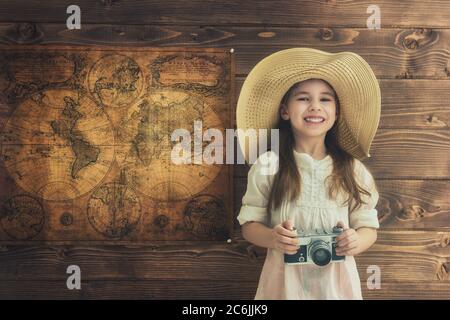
x=86 y=143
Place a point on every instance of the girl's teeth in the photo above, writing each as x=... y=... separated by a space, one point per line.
x=314 y=120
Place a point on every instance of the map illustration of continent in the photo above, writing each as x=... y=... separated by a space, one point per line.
x=86 y=142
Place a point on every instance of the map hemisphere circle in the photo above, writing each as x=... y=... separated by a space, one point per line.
x=114 y=210
x=22 y=217
x=115 y=80
x=146 y=146
x=58 y=145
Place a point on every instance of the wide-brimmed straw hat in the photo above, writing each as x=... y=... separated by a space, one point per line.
x=348 y=73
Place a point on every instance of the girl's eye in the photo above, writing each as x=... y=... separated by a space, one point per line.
x=320 y=99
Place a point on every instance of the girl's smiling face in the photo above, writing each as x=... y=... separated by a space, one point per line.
x=311 y=101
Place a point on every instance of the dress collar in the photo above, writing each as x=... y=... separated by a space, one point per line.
x=305 y=160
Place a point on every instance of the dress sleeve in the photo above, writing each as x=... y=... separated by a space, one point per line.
x=366 y=215
x=255 y=200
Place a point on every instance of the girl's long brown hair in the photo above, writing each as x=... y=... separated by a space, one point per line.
x=286 y=182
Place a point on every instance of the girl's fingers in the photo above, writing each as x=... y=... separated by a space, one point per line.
x=285 y=232
x=288 y=240
x=287 y=248
x=349 y=245
x=351 y=252
x=284 y=240
x=346 y=248
x=341 y=225
x=347 y=233
x=346 y=236
x=347 y=240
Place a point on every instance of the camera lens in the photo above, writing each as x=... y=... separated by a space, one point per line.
x=320 y=253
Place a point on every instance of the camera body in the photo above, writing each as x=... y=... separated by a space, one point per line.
x=317 y=248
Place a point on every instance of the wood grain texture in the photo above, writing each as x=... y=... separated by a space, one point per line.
x=316 y=12
x=410 y=154
x=410 y=290
x=182 y=289
x=398 y=54
x=406 y=260
x=129 y=289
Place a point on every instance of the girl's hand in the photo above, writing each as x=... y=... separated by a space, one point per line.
x=348 y=242
x=283 y=238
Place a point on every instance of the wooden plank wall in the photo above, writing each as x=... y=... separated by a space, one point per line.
x=409 y=54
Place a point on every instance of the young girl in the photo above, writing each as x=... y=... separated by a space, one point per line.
x=319 y=182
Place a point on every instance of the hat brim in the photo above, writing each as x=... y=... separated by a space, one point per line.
x=348 y=73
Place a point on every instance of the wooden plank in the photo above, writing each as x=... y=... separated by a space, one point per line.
x=414 y=203
x=199 y=262
x=409 y=290
x=401 y=256
x=354 y=13
x=182 y=289
x=415 y=104
x=129 y=289
x=403 y=203
x=398 y=53
x=410 y=154
x=403 y=154
x=403 y=266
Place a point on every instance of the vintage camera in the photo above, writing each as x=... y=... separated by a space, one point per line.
x=316 y=248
